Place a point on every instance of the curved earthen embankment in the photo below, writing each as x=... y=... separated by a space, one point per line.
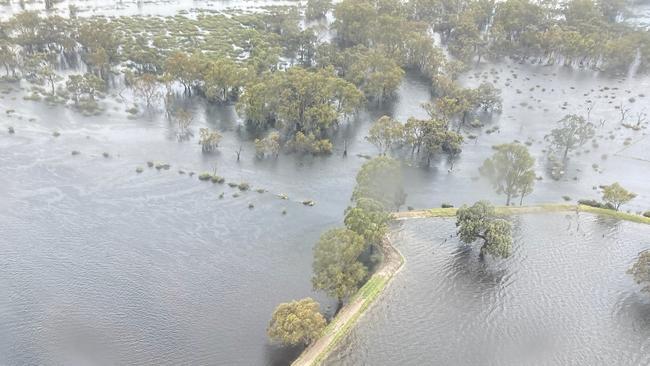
x=339 y=327
x=393 y=261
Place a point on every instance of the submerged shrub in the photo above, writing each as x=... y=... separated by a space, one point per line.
x=597 y=204
x=302 y=143
x=205 y=176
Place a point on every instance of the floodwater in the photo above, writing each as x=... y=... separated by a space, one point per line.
x=562 y=298
x=101 y=263
x=140 y=7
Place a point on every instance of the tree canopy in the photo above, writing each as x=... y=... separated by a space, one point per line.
x=573 y=131
x=337 y=269
x=481 y=222
x=369 y=219
x=616 y=195
x=380 y=179
x=641 y=270
x=510 y=170
x=298 y=322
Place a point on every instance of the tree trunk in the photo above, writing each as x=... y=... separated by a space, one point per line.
x=508 y=199
x=566 y=152
x=521 y=201
x=339 y=306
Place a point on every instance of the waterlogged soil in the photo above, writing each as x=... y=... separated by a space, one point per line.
x=562 y=298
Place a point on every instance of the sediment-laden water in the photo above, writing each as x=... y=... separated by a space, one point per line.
x=562 y=298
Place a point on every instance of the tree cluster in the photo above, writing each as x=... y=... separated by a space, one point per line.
x=581 y=33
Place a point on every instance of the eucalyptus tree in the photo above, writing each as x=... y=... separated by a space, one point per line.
x=337 y=269
x=381 y=179
x=298 y=322
x=221 y=78
x=298 y=100
x=373 y=73
x=573 y=131
x=353 y=24
x=369 y=219
x=510 y=170
x=269 y=145
x=183 y=68
x=100 y=44
x=615 y=195
x=317 y=8
x=84 y=85
x=385 y=133
x=452 y=145
x=640 y=270
x=488 y=98
x=481 y=222
x=8 y=58
x=146 y=87
x=209 y=140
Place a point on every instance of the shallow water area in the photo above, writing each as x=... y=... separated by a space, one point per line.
x=139 y=7
x=100 y=262
x=562 y=298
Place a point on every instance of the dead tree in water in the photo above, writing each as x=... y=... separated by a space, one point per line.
x=238 y=152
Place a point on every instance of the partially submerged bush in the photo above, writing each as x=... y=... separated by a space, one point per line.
x=597 y=204
x=209 y=140
x=205 y=176
x=270 y=145
x=217 y=179
x=302 y=143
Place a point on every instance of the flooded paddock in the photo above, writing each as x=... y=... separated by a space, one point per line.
x=562 y=298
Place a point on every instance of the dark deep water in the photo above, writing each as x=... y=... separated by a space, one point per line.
x=562 y=298
x=100 y=265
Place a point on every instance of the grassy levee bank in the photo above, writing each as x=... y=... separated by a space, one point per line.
x=347 y=317
x=503 y=210
x=513 y=210
x=345 y=320
x=616 y=214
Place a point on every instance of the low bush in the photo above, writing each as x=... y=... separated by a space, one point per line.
x=205 y=176
x=597 y=204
